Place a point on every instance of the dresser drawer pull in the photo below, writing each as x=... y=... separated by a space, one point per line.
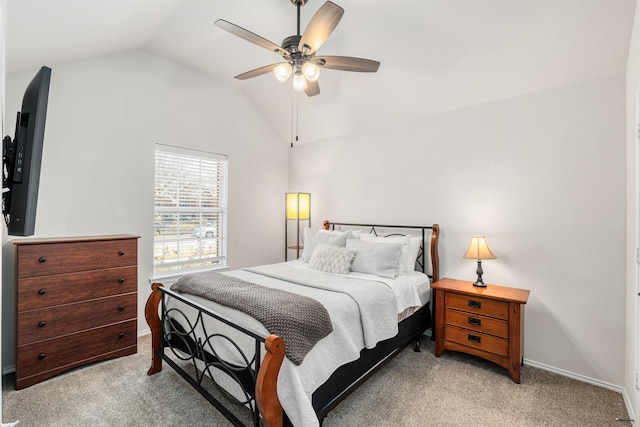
x=42 y=259
x=474 y=338
x=42 y=324
x=121 y=308
x=475 y=304
x=121 y=280
x=121 y=335
x=475 y=322
x=41 y=356
x=121 y=253
x=42 y=291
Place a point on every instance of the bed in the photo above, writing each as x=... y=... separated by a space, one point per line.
x=252 y=375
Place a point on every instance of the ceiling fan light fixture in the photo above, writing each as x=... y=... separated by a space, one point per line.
x=282 y=72
x=311 y=71
x=299 y=82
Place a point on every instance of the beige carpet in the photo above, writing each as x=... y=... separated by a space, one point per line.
x=414 y=389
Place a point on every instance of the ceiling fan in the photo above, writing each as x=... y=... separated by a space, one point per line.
x=299 y=51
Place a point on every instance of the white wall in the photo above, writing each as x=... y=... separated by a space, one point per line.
x=632 y=308
x=104 y=117
x=543 y=176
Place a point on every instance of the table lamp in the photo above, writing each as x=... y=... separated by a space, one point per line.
x=479 y=250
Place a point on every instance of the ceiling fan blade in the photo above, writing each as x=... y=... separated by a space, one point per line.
x=347 y=63
x=320 y=27
x=257 y=72
x=313 y=89
x=249 y=36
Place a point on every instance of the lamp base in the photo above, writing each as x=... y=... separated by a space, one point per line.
x=479 y=283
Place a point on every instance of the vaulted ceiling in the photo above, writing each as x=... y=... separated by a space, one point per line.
x=436 y=55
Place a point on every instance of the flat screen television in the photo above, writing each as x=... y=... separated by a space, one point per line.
x=22 y=157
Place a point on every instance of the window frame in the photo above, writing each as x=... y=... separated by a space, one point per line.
x=183 y=206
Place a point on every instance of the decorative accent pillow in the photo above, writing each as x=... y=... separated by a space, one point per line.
x=312 y=240
x=381 y=259
x=331 y=259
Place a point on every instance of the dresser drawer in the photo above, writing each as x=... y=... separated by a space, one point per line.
x=473 y=304
x=67 y=350
x=67 y=257
x=46 y=323
x=41 y=292
x=467 y=337
x=475 y=322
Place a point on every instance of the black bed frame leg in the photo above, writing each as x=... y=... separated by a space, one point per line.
x=417 y=347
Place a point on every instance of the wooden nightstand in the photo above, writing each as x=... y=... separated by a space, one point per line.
x=486 y=322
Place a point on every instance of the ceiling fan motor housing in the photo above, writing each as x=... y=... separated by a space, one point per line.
x=291 y=43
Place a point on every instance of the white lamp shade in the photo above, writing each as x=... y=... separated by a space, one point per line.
x=311 y=71
x=282 y=72
x=298 y=205
x=299 y=82
x=478 y=249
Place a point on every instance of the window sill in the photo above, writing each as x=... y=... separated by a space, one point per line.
x=168 y=279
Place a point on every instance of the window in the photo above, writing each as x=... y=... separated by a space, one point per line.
x=190 y=211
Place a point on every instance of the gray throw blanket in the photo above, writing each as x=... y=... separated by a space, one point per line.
x=299 y=320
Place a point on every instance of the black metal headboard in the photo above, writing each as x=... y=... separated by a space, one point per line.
x=433 y=243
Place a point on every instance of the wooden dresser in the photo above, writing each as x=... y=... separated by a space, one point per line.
x=486 y=322
x=76 y=303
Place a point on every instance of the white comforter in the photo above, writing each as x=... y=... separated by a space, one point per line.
x=363 y=316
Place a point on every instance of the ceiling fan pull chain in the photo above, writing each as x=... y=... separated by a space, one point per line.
x=297 y=114
x=292 y=112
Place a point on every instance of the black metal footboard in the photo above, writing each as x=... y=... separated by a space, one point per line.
x=199 y=352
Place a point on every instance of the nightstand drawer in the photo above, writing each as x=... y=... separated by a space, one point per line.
x=473 y=304
x=489 y=343
x=487 y=325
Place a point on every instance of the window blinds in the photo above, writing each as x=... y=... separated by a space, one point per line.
x=190 y=211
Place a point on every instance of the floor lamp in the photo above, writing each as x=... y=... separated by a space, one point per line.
x=297 y=207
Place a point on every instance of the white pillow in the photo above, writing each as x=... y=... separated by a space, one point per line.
x=403 y=240
x=354 y=233
x=381 y=259
x=412 y=254
x=311 y=240
x=331 y=259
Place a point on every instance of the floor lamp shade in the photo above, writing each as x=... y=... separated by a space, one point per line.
x=298 y=205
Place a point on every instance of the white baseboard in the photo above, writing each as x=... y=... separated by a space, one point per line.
x=575 y=376
x=629 y=406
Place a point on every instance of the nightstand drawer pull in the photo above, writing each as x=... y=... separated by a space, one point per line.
x=474 y=338
x=475 y=322
x=42 y=259
x=42 y=324
x=41 y=356
x=475 y=304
